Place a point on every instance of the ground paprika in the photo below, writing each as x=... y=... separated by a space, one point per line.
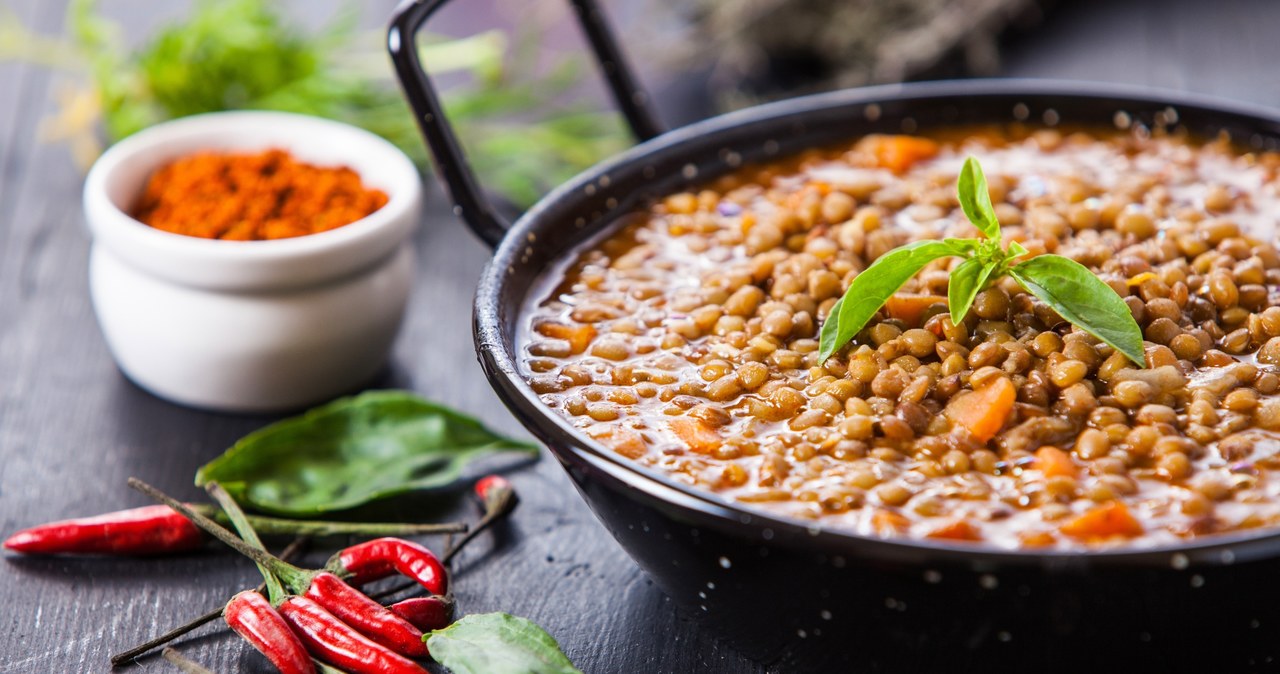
x=247 y=197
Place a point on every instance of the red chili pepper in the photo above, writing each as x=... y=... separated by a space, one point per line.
x=492 y=487
x=342 y=612
x=426 y=613
x=499 y=499
x=379 y=558
x=149 y=530
x=338 y=644
x=365 y=615
x=252 y=617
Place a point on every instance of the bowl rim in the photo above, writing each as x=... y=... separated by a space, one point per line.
x=704 y=508
x=110 y=223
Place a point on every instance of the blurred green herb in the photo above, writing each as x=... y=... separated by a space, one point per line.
x=525 y=128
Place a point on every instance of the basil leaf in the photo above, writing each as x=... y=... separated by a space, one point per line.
x=876 y=284
x=975 y=200
x=351 y=452
x=1079 y=296
x=967 y=280
x=497 y=643
x=830 y=331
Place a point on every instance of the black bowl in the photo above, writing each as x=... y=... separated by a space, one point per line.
x=809 y=598
x=812 y=597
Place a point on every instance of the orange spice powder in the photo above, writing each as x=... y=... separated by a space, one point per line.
x=252 y=197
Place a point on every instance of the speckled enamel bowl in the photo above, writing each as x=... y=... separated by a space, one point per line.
x=806 y=597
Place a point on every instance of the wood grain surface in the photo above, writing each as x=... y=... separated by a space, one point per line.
x=72 y=429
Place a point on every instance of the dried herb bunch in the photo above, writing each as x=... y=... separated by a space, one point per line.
x=779 y=48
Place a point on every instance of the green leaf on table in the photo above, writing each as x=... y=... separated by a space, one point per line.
x=975 y=200
x=1082 y=298
x=876 y=284
x=354 y=451
x=497 y=643
x=967 y=280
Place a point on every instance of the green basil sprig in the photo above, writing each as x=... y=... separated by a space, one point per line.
x=1067 y=286
x=497 y=643
x=877 y=283
x=351 y=452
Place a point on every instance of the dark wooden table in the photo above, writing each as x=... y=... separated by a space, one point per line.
x=72 y=428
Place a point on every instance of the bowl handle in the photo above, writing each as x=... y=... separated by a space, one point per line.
x=451 y=163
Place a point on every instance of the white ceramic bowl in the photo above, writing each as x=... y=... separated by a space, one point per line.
x=251 y=326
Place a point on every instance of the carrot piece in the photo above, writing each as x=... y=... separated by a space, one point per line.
x=887 y=523
x=696 y=435
x=958 y=530
x=984 y=411
x=1054 y=462
x=578 y=336
x=899 y=153
x=624 y=441
x=910 y=308
x=1105 y=521
x=1135 y=281
x=1038 y=539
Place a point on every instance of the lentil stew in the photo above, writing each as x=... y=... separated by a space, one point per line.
x=687 y=342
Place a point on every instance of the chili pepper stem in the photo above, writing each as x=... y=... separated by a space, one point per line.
x=280 y=525
x=186 y=665
x=485 y=522
x=274 y=590
x=122 y=657
x=292 y=576
x=322 y=668
x=142 y=648
x=496 y=508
